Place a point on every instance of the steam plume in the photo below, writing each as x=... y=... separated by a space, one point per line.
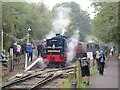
x=60 y=22
x=71 y=46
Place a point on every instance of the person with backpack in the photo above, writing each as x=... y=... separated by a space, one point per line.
x=18 y=53
x=85 y=68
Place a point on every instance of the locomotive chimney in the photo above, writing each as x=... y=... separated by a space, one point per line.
x=57 y=34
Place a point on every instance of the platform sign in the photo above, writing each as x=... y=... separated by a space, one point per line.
x=90 y=55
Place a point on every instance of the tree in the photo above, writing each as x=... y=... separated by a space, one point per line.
x=17 y=17
x=105 y=24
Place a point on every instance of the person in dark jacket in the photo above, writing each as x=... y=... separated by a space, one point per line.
x=102 y=63
x=39 y=48
x=84 y=63
x=15 y=49
x=43 y=47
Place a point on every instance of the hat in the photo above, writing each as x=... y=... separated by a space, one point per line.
x=84 y=58
x=15 y=43
x=97 y=51
x=44 y=40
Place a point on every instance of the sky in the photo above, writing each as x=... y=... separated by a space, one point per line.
x=85 y=4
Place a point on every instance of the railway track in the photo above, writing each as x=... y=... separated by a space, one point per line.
x=36 y=79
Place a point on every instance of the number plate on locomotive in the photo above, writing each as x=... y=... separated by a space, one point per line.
x=53 y=50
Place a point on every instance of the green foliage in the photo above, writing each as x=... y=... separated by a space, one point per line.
x=105 y=24
x=65 y=84
x=17 y=17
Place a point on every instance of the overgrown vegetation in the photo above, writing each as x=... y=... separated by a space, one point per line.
x=17 y=17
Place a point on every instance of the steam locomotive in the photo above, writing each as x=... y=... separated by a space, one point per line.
x=56 y=50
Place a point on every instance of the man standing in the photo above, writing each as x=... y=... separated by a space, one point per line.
x=84 y=62
x=39 y=48
x=43 y=47
x=29 y=51
x=97 y=59
x=112 y=51
x=102 y=63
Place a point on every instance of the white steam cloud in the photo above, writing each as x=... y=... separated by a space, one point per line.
x=60 y=22
x=41 y=63
x=71 y=46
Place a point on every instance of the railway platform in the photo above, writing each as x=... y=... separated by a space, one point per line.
x=110 y=77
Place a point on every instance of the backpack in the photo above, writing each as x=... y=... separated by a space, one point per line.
x=84 y=62
x=18 y=48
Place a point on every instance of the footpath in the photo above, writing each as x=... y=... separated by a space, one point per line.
x=110 y=77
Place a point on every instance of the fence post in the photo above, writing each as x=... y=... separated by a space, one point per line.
x=11 y=60
x=78 y=74
x=26 y=61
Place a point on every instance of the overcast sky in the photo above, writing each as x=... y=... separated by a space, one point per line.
x=85 y=4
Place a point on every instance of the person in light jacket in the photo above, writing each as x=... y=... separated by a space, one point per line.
x=102 y=63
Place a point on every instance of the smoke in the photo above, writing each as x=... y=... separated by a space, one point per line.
x=41 y=63
x=73 y=41
x=60 y=22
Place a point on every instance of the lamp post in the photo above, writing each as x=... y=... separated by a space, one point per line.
x=26 y=59
x=29 y=29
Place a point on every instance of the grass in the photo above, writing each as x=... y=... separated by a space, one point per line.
x=67 y=82
x=94 y=71
x=5 y=79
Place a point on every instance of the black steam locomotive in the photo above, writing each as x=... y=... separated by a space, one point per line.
x=56 y=50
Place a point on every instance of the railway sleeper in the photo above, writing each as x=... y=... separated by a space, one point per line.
x=37 y=87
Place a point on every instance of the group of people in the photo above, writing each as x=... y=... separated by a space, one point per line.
x=40 y=48
x=85 y=65
x=29 y=49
